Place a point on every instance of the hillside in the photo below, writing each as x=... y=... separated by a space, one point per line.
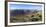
x=25 y=15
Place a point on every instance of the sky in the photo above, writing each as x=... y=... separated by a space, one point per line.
x=24 y=6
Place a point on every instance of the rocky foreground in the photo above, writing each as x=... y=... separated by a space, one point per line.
x=29 y=16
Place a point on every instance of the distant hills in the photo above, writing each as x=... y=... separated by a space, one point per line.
x=22 y=12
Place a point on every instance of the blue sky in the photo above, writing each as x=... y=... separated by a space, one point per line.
x=24 y=6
